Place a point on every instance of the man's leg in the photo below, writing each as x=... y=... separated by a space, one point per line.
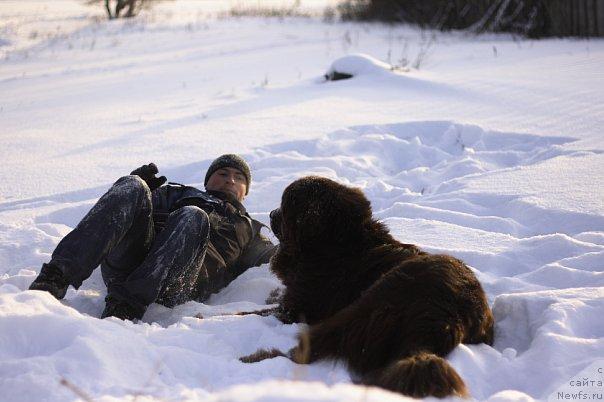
x=169 y=272
x=121 y=217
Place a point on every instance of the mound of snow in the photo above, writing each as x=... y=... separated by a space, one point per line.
x=356 y=64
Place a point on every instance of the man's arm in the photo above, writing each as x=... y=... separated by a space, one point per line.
x=259 y=251
x=164 y=198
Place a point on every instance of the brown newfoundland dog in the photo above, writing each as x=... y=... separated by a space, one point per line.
x=388 y=309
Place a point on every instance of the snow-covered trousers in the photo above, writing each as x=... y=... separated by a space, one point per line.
x=139 y=266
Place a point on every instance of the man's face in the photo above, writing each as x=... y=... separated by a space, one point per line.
x=228 y=180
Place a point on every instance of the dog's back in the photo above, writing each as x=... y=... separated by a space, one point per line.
x=397 y=332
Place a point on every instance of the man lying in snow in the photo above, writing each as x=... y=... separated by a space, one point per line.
x=161 y=243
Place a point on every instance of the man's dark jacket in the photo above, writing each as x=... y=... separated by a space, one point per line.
x=236 y=243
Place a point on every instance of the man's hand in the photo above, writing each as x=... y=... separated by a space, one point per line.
x=147 y=173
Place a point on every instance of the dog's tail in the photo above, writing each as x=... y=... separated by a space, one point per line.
x=419 y=376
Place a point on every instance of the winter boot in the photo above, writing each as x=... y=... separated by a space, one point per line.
x=51 y=280
x=119 y=309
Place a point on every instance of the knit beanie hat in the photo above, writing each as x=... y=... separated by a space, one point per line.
x=232 y=161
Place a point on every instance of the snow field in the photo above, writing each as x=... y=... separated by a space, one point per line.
x=495 y=160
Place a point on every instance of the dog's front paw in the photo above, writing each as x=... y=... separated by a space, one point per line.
x=299 y=355
x=262 y=354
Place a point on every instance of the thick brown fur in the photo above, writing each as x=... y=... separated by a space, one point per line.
x=391 y=311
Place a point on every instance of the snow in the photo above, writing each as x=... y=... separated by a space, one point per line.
x=359 y=64
x=491 y=151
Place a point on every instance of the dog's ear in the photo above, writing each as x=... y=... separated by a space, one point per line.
x=320 y=214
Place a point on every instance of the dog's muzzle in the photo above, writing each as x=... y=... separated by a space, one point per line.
x=276 y=222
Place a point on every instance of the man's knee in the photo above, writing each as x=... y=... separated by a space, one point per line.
x=193 y=217
x=193 y=212
x=132 y=184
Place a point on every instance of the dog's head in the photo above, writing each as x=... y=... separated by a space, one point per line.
x=318 y=214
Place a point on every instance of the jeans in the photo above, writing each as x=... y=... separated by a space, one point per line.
x=138 y=265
